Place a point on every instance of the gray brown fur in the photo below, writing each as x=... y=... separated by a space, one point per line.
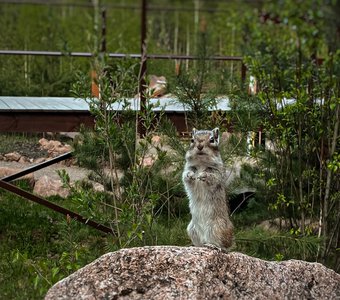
x=204 y=180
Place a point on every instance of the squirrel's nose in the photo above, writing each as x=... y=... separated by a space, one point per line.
x=200 y=147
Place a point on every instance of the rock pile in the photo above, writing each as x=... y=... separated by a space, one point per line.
x=44 y=185
x=195 y=273
x=54 y=148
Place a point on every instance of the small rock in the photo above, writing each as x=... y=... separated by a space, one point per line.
x=48 y=145
x=156 y=139
x=59 y=150
x=148 y=161
x=68 y=162
x=43 y=142
x=46 y=187
x=39 y=160
x=23 y=159
x=13 y=156
x=98 y=187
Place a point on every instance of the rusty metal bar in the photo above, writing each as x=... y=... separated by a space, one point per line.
x=103 y=41
x=243 y=72
x=45 y=53
x=194 y=57
x=143 y=66
x=115 y=6
x=12 y=188
x=37 y=167
x=118 y=55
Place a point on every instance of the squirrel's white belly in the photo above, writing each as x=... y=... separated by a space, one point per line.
x=202 y=216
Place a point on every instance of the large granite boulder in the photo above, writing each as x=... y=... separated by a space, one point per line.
x=195 y=273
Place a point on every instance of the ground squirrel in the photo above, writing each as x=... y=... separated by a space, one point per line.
x=204 y=180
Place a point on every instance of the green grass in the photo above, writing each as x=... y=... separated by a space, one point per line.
x=38 y=247
x=267 y=245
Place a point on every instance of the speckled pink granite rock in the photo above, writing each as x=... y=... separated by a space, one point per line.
x=195 y=273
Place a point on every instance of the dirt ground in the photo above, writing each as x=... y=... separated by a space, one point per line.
x=28 y=149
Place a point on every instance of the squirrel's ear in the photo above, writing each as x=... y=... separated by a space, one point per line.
x=193 y=131
x=216 y=133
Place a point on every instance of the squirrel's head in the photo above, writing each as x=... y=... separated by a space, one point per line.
x=204 y=142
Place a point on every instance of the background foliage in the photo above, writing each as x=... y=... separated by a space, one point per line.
x=291 y=47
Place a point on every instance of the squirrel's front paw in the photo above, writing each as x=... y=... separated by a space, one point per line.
x=205 y=177
x=202 y=176
x=190 y=176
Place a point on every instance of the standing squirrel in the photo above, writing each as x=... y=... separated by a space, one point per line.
x=204 y=180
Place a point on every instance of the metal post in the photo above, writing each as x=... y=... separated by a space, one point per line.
x=142 y=73
x=103 y=41
x=243 y=72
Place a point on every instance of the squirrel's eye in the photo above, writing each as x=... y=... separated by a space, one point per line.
x=212 y=140
x=192 y=140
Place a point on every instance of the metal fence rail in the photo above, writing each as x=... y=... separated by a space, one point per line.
x=120 y=55
x=4 y=184
x=37 y=167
